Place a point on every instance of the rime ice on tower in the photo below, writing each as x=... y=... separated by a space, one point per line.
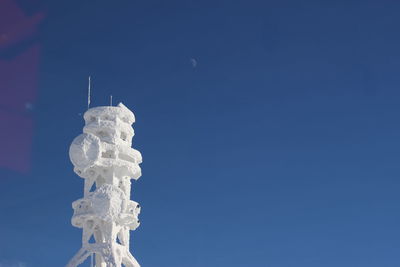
x=103 y=156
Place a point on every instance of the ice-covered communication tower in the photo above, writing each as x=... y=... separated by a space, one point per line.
x=103 y=157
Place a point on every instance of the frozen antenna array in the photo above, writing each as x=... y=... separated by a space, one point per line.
x=103 y=157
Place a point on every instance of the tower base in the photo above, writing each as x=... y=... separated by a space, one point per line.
x=105 y=256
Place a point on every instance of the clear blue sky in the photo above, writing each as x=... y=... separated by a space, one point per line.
x=280 y=148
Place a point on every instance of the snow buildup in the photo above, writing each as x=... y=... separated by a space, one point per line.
x=103 y=156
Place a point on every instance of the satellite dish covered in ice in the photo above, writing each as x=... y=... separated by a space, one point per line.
x=84 y=150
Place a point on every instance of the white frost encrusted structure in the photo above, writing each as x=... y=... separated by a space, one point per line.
x=103 y=156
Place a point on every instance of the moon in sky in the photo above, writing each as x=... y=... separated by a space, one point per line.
x=194 y=62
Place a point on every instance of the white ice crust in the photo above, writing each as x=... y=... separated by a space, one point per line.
x=103 y=156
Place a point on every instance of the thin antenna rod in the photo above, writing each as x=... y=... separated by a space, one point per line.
x=88 y=98
x=110 y=100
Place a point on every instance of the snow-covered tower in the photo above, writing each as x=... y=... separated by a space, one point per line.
x=103 y=156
